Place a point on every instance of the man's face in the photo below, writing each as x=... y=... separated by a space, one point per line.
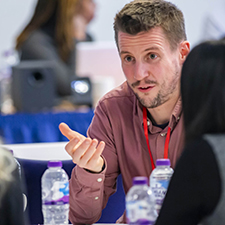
x=151 y=68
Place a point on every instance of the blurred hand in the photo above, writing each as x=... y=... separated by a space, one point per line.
x=80 y=26
x=85 y=152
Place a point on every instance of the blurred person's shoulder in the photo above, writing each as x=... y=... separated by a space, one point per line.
x=37 y=37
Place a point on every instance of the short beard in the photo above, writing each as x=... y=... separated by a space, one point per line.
x=162 y=96
x=157 y=101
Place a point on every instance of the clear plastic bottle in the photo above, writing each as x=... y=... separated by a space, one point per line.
x=55 y=194
x=8 y=59
x=140 y=203
x=159 y=180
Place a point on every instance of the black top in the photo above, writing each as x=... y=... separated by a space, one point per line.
x=195 y=187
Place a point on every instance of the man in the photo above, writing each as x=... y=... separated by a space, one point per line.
x=151 y=41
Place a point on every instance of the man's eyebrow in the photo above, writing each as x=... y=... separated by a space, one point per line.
x=146 y=50
x=124 y=52
x=151 y=48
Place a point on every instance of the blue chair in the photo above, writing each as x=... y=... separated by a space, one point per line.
x=32 y=171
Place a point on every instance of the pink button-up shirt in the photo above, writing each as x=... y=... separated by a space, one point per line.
x=118 y=122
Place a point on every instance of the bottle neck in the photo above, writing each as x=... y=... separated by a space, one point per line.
x=55 y=168
x=140 y=185
x=162 y=166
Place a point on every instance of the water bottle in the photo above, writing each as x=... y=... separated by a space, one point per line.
x=140 y=203
x=159 y=180
x=55 y=194
x=8 y=59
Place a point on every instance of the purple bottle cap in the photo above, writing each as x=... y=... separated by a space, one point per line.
x=55 y=164
x=140 y=180
x=162 y=162
x=11 y=151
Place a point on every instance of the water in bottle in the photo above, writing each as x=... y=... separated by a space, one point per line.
x=55 y=194
x=140 y=203
x=159 y=180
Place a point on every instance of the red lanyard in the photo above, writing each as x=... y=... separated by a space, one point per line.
x=166 y=147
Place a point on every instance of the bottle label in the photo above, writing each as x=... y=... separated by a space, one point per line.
x=57 y=195
x=159 y=189
x=138 y=212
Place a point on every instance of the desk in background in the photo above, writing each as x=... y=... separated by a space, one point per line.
x=41 y=127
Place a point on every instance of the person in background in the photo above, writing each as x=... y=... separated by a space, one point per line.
x=132 y=122
x=52 y=33
x=85 y=14
x=11 y=197
x=196 y=193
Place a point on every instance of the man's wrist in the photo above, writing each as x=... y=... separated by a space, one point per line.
x=90 y=171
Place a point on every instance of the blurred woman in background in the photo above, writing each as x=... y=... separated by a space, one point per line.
x=52 y=33
x=11 y=198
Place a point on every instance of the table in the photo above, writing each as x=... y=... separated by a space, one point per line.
x=40 y=151
x=34 y=157
x=41 y=127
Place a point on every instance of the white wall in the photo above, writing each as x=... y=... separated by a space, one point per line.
x=14 y=14
x=195 y=12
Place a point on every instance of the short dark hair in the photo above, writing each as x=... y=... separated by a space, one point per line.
x=143 y=15
x=203 y=90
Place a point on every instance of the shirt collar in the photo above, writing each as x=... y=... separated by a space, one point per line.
x=175 y=117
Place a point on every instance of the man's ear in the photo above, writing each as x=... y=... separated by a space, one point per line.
x=184 y=50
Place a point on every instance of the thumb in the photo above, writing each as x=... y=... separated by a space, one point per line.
x=67 y=132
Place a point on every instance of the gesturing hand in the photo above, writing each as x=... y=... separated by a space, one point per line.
x=85 y=152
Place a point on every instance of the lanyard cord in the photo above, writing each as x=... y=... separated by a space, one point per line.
x=166 y=147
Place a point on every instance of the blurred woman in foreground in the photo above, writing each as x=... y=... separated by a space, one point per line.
x=196 y=193
x=11 y=198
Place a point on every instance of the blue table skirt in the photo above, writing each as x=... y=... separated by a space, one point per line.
x=41 y=127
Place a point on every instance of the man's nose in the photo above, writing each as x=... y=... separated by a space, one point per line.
x=141 y=71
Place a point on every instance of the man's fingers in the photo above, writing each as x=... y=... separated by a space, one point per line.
x=67 y=132
x=85 y=152
x=99 y=150
x=72 y=145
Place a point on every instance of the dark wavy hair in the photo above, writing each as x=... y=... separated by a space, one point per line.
x=203 y=89
x=58 y=12
x=143 y=15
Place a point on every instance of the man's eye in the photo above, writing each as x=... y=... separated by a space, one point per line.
x=152 y=56
x=128 y=58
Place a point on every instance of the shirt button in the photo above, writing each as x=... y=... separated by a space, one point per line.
x=163 y=134
x=99 y=179
x=96 y=198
